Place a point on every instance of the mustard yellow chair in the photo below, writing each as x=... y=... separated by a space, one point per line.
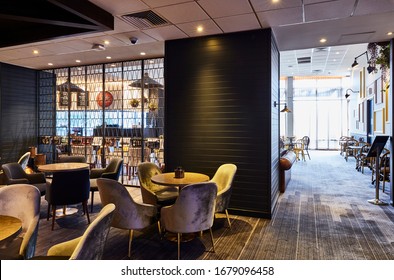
x=152 y=193
x=223 y=178
x=90 y=246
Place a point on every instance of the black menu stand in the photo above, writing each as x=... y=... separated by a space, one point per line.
x=375 y=151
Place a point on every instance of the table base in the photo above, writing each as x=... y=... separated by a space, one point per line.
x=66 y=212
x=377 y=202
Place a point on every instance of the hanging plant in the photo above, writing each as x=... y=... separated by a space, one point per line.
x=383 y=58
x=134 y=102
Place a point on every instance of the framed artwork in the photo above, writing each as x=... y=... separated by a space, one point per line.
x=83 y=98
x=63 y=98
x=379 y=121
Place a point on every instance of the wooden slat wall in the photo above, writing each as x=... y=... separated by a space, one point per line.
x=18 y=88
x=218 y=109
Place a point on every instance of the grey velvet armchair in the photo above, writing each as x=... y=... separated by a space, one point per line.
x=90 y=246
x=193 y=211
x=112 y=171
x=128 y=214
x=152 y=193
x=223 y=178
x=22 y=201
x=15 y=174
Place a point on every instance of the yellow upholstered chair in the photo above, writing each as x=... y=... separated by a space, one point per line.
x=224 y=178
x=90 y=246
x=153 y=193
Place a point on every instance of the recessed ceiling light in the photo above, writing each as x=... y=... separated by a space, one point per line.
x=35 y=51
x=106 y=42
x=77 y=61
x=337 y=53
x=323 y=40
x=275 y=1
x=108 y=57
x=389 y=33
x=50 y=63
x=200 y=29
x=142 y=53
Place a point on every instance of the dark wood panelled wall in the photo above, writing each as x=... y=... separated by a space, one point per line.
x=18 y=98
x=219 y=109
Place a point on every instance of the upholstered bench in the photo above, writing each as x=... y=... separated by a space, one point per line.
x=286 y=161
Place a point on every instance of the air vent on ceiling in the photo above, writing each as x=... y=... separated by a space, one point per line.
x=144 y=20
x=321 y=49
x=302 y=60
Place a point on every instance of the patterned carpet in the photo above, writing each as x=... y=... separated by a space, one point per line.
x=323 y=215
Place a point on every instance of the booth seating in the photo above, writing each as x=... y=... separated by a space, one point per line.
x=286 y=161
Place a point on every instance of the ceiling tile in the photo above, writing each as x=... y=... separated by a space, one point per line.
x=224 y=8
x=161 y=3
x=120 y=7
x=238 y=23
x=165 y=33
x=209 y=26
x=282 y=16
x=366 y=7
x=186 y=12
x=329 y=10
x=267 y=5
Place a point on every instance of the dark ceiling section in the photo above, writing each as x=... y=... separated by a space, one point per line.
x=23 y=22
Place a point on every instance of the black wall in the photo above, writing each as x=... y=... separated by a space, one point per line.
x=18 y=101
x=219 y=109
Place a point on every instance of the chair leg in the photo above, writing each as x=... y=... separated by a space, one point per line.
x=130 y=240
x=92 y=200
x=213 y=243
x=49 y=210
x=159 y=228
x=53 y=216
x=85 y=209
x=228 y=218
x=179 y=245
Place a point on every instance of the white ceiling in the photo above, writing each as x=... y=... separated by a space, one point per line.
x=298 y=26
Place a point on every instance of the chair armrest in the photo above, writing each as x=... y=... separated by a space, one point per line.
x=36 y=178
x=96 y=173
x=109 y=175
x=18 y=181
x=65 y=248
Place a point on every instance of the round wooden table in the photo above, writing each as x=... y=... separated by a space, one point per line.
x=168 y=179
x=10 y=227
x=64 y=167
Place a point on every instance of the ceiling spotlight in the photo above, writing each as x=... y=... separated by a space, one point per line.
x=355 y=63
x=98 y=47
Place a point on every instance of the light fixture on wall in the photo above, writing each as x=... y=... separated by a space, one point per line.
x=347 y=94
x=370 y=68
x=285 y=109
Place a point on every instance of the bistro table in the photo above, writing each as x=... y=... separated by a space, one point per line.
x=168 y=179
x=64 y=167
x=10 y=227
